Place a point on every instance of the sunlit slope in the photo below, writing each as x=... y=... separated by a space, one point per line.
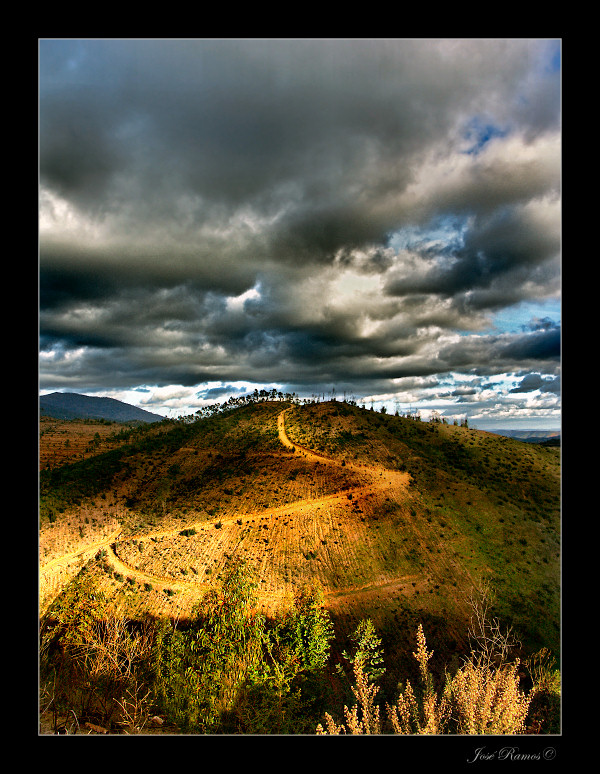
x=173 y=469
x=63 y=440
x=227 y=483
x=395 y=518
x=486 y=507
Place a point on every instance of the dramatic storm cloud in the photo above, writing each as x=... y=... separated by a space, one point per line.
x=378 y=217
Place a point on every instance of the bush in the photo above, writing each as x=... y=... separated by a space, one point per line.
x=90 y=659
x=483 y=696
x=229 y=669
x=230 y=672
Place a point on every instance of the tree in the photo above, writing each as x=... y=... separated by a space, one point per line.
x=230 y=670
x=200 y=671
x=308 y=628
x=368 y=649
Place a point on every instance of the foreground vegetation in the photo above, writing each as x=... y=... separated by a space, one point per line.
x=231 y=670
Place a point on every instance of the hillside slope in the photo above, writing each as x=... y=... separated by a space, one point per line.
x=396 y=519
x=487 y=506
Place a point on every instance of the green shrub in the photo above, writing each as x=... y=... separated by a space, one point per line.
x=230 y=669
x=229 y=672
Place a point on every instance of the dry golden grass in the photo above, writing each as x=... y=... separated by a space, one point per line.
x=65 y=546
x=364 y=717
x=307 y=516
x=316 y=526
x=480 y=698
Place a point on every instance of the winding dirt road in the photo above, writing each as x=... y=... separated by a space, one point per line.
x=380 y=480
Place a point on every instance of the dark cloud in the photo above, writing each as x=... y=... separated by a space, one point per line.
x=532 y=382
x=500 y=255
x=216 y=394
x=504 y=353
x=58 y=287
x=542 y=345
x=462 y=392
x=229 y=210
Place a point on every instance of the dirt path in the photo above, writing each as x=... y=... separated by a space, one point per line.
x=90 y=548
x=382 y=480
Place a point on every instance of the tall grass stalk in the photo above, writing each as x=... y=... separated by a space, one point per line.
x=482 y=697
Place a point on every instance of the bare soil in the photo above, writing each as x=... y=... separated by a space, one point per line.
x=336 y=538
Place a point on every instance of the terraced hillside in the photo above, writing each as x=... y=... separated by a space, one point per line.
x=63 y=440
x=398 y=520
x=485 y=508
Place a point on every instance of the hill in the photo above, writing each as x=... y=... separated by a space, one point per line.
x=397 y=520
x=71 y=405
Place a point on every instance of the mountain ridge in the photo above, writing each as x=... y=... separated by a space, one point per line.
x=530 y=436
x=72 y=405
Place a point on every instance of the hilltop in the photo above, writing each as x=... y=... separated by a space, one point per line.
x=397 y=519
x=71 y=405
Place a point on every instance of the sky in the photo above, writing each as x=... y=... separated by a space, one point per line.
x=378 y=219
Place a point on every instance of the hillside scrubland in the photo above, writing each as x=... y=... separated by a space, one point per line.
x=244 y=552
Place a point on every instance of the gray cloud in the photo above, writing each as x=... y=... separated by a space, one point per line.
x=504 y=353
x=228 y=210
x=532 y=382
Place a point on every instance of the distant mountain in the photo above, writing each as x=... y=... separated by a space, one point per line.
x=71 y=405
x=531 y=436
